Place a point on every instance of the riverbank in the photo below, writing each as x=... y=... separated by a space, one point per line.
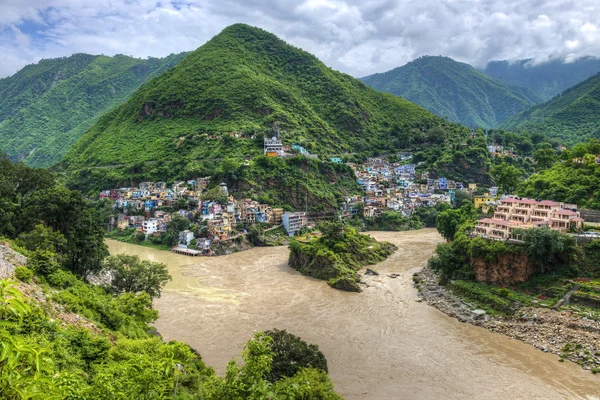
x=569 y=334
x=275 y=236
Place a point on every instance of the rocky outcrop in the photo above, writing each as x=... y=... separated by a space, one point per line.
x=231 y=246
x=506 y=269
x=317 y=266
x=9 y=260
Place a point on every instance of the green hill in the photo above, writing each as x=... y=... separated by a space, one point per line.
x=575 y=180
x=46 y=107
x=221 y=100
x=572 y=116
x=455 y=90
x=547 y=79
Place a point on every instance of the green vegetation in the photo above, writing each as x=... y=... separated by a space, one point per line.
x=575 y=180
x=44 y=356
x=129 y=274
x=455 y=91
x=23 y=273
x=570 y=116
x=423 y=217
x=133 y=236
x=555 y=257
x=291 y=354
x=222 y=99
x=546 y=79
x=72 y=339
x=291 y=183
x=70 y=234
x=46 y=107
x=337 y=255
x=548 y=250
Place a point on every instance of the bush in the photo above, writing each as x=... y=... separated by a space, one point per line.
x=23 y=273
x=291 y=354
x=140 y=236
x=43 y=262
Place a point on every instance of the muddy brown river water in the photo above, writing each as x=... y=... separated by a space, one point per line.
x=379 y=344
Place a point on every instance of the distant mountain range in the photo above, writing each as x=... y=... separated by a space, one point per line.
x=456 y=91
x=548 y=79
x=46 y=107
x=573 y=116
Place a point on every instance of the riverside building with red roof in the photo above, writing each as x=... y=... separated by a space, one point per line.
x=514 y=213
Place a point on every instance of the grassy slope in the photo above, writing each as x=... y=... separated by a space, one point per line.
x=243 y=80
x=46 y=107
x=455 y=90
x=571 y=116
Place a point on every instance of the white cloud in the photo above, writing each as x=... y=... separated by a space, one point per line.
x=357 y=37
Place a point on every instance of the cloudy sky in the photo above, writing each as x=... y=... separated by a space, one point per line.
x=359 y=37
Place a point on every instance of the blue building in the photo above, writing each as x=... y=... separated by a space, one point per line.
x=443 y=184
x=300 y=149
x=336 y=160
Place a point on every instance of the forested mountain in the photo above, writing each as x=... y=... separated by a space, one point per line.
x=46 y=107
x=547 y=79
x=222 y=99
x=572 y=116
x=455 y=90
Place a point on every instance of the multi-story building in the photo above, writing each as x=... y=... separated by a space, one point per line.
x=513 y=213
x=293 y=222
x=150 y=226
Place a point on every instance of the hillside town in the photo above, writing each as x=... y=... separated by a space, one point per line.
x=148 y=207
x=398 y=186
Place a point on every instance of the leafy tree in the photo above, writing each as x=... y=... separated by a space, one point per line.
x=68 y=212
x=130 y=275
x=449 y=221
x=43 y=238
x=291 y=354
x=332 y=231
x=549 y=248
x=43 y=262
x=507 y=177
x=545 y=157
x=174 y=226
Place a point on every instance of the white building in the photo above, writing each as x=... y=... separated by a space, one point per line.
x=150 y=226
x=293 y=222
x=185 y=237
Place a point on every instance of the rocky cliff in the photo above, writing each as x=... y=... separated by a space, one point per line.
x=507 y=269
x=9 y=260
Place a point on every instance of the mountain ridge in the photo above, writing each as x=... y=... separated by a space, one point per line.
x=455 y=90
x=46 y=107
x=232 y=89
x=571 y=116
x=547 y=79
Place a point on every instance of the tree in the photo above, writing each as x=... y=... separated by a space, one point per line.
x=68 y=212
x=333 y=231
x=449 y=221
x=43 y=262
x=43 y=238
x=291 y=354
x=544 y=157
x=174 y=226
x=130 y=275
x=548 y=248
x=507 y=176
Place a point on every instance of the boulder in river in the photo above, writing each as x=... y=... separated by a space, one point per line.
x=370 y=271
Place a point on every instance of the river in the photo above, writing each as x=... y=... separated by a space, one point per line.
x=379 y=344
